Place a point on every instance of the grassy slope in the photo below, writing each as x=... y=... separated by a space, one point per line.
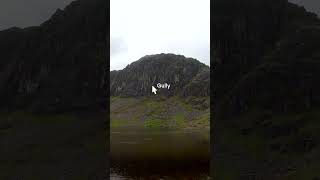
x=160 y=112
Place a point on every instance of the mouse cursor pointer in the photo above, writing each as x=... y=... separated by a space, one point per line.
x=154 y=90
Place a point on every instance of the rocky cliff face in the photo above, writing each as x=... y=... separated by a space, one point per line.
x=256 y=42
x=186 y=76
x=58 y=66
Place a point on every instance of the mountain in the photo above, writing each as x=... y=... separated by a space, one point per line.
x=185 y=105
x=257 y=46
x=266 y=56
x=186 y=76
x=53 y=94
x=57 y=66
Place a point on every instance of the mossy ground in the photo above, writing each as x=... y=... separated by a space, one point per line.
x=170 y=113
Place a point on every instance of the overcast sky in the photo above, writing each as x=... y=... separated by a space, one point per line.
x=144 y=27
x=24 y=13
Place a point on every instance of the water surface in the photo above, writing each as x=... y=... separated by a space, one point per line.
x=159 y=154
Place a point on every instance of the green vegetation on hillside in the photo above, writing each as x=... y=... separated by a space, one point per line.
x=160 y=112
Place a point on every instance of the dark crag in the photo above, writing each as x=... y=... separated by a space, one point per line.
x=187 y=77
x=54 y=95
x=266 y=55
x=59 y=65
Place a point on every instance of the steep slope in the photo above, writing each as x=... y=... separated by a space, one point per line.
x=285 y=39
x=178 y=71
x=58 y=66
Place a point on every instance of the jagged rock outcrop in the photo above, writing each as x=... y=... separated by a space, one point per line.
x=187 y=77
x=241 y=34
x=253 y=48
x=60 y=65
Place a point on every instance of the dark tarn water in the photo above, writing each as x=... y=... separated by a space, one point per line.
x=159 y=154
